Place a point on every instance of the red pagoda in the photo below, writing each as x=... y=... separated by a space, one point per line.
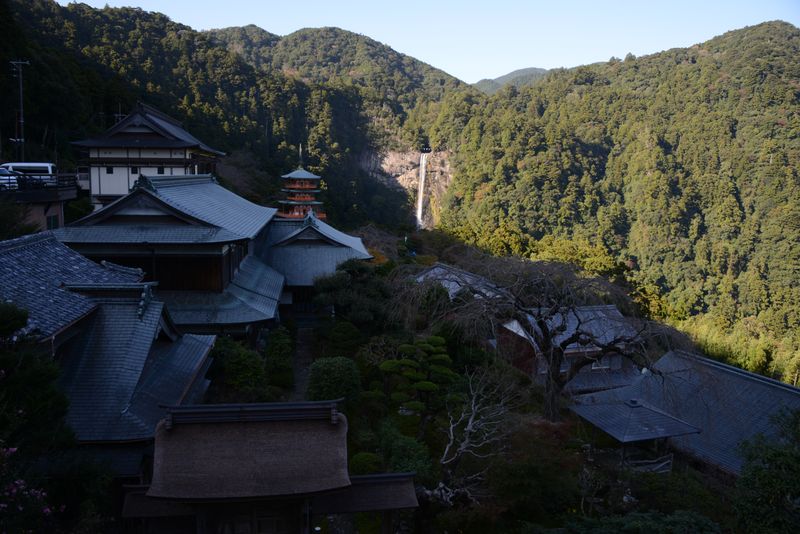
x=301 y=188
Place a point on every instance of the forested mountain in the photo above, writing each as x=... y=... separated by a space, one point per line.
x=323 y=55
x=518 y=78
x=89 y=64
x=391 y=84
x=680 y=168
x=678 y=171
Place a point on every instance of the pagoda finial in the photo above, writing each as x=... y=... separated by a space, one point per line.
x=301 y=155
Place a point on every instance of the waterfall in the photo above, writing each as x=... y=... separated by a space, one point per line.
x=423 y=160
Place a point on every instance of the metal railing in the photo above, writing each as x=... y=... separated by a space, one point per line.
x=31 y=182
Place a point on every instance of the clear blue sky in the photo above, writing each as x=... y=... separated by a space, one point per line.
x=486 y=39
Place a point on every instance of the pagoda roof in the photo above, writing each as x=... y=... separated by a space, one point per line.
x=301 y=174
x=301 y=202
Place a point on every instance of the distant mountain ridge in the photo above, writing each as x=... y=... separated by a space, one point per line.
x=322 y=55
x=517 y=78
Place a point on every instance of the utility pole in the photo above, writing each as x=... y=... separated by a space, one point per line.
x=17 y=65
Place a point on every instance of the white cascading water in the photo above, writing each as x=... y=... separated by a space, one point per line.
x=423 y=160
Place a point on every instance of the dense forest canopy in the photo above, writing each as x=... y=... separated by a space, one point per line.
x=682 y=166
x=678 y=170
x=518 y=78
x=88 y=65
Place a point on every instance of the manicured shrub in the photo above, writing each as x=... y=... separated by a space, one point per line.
x=333 y=378
x=238 y=374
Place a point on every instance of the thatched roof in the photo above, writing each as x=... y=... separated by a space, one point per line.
x=249 y=451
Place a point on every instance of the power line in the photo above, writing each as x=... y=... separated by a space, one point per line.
x=17 y=65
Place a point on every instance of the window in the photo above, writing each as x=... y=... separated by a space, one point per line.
x=134 y=170
x=109 y=170
x=602 y=363
x=161 y=170
x=52 y=222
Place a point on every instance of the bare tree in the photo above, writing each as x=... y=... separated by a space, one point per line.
x=476 y=429
x=542 y=299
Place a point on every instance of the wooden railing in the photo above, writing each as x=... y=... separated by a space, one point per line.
x=300 y=185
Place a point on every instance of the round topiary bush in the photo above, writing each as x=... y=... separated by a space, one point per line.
x=334 y=378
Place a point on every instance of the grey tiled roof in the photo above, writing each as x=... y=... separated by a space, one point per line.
x=259 y=278
x=252 y=296
x=280 y=229
x=203 y=198
x=144 y=142
x=302 y=174
x=306 y=250
x=193 y=308
x=161 y=234
x=312 y=228
x=633 y=420
x=172 y=130
x=727 y=404
x=170 y=373
x=116 y=377
x=600 y=379
x=302 y=264
x=33 y=272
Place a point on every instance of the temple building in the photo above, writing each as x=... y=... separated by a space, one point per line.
x=121 y=357
x=700 y=407
x=200 y=242
x=301 y=189
x=146 y=142
x=222 y=263
x=306 y=249
x=278 y=467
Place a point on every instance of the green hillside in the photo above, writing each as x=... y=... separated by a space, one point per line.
x=390 y=84
x=322 y=55
x=87 y=65
x=518 y=78
x=677 y=172
x=679 y=168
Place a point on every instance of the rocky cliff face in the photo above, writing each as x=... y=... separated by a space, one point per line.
x=401 y=170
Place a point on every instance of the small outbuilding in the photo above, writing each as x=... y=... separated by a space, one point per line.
x=703 y=407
